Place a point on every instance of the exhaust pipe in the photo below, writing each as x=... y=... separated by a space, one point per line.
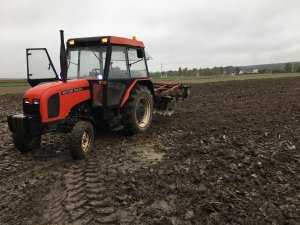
x=63 y=58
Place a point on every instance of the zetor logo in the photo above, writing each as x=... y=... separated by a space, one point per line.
x=70 y=91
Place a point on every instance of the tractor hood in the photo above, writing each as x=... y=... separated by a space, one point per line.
x=57 y=99
x=55 y=87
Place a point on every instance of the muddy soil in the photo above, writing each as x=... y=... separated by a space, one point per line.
x=229 y=155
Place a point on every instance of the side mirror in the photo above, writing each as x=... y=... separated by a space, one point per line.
x=140 y=54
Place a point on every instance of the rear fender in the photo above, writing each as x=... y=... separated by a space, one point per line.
x=146 y=82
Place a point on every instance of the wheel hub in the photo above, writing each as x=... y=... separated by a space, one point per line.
x=140 y=111
x=143 y=112
x=85 y=141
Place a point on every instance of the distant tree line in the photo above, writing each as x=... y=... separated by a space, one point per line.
x=193 y=72
x=232 y=70
x=285 y=68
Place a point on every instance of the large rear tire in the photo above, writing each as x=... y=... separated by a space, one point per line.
x=138 y=111
x=26 y=143
x=82 y=139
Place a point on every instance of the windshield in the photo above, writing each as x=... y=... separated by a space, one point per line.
x=86 y=62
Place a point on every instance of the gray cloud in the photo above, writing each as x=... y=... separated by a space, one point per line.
x=194 y=33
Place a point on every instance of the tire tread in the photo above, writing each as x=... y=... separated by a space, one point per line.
x=128 y=119
x=76 y=134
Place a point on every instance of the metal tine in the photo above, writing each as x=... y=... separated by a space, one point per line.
x=164 y=112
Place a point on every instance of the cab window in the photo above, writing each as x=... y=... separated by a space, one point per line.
x=137 y=63
x=118 y=66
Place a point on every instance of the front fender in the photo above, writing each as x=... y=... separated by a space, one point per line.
x=57 y=99
x=70 y=94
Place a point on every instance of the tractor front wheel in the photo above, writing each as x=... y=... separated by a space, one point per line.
x=138 y=111
x=82 y=139
x=26 y=143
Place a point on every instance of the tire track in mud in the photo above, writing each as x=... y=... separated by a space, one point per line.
x=55 y=213
x=11 y=161
x=36 y=187
x=27 y=181
x=87 y=199
x=4 y=133
x=27 y=192
x=76 y=197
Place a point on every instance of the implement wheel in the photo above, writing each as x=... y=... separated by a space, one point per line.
x=138 y=111
x=26 y=143
x=82 y=139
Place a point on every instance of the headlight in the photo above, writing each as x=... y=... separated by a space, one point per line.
x=36 y=101
x=26 y=100
x=71 y=42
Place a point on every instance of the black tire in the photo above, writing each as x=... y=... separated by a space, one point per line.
x=82 y=139
x=138 y=111
x=26 y=143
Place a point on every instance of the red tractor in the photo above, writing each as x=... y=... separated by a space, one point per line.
x=103 y=80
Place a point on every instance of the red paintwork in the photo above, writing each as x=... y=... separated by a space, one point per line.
x=97 y=92
x=128 y=93
x=162 y=89
x=126 y=41
x=67 y=101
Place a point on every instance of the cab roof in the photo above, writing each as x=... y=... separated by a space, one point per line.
x=104 y=40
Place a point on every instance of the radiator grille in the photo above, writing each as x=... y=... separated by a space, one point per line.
x=31 y=109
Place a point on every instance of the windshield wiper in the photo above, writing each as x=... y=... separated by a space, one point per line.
x=136 y=61
x=69 y=62
x=73 y=63
x=94 y=53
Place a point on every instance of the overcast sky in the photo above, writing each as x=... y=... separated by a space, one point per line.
x=186 y=33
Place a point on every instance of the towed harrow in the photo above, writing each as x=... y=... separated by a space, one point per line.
x=167 y=94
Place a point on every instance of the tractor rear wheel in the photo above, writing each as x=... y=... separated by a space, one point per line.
x=138 y=111
x=26 y=143
x=82 y=139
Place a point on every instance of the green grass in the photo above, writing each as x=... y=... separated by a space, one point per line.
x=187 y=79
x=13 y=84
x=217 y=78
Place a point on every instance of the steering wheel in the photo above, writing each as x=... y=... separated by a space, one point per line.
x=95 y=72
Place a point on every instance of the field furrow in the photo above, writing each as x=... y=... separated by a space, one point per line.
x=228 y=155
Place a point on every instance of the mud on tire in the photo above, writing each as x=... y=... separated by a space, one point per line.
x=26 y=143
x=82 y=139
x=138 y=110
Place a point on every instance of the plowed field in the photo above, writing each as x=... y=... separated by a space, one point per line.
x=228 y=155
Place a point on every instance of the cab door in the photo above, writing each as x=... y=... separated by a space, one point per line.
x=39 y=66
x=118 y=76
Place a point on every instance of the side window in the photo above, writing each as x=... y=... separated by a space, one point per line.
x=137 y=65
x=118 y=66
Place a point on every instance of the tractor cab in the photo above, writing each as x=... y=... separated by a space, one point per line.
x=112 y=61
x=102 y=58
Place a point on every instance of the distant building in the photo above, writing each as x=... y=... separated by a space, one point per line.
x=250 y=71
